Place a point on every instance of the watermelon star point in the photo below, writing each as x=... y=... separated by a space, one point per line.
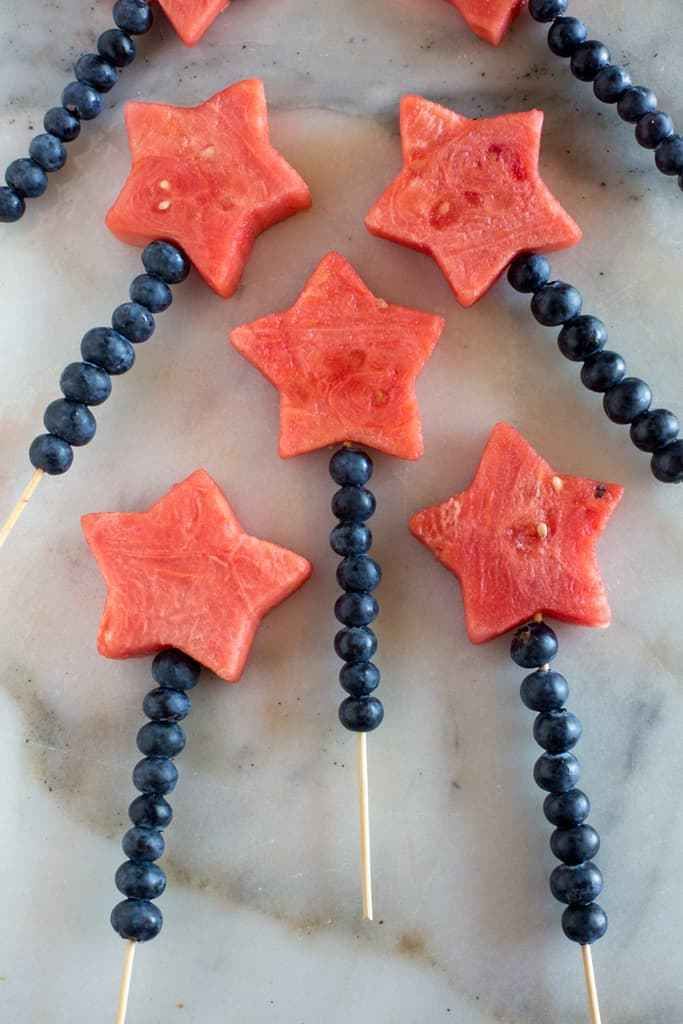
x=489 y=19
x=192 y=18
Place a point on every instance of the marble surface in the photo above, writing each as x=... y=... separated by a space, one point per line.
x=261 y=910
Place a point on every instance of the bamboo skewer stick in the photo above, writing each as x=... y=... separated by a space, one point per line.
x=363 y=793
x=591 y=988
x=24 y=498
x=124 y=988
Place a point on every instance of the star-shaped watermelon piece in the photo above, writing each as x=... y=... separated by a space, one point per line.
x=345 y=363
x=185 y=574
x=470 y=195
x=191 y=18
x=208 y=179
x=489 y=19
x=521 y=539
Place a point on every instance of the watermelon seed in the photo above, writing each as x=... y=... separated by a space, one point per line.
x=542 y=531
x=165 y=185
x=557 y=483
x=165 y=204
x=208 y=152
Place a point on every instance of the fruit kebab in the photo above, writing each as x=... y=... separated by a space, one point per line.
x=345 y=363
x=95 y=74
x=186 y=583
x=521 y=539
x=470 y=195
x=205 y=181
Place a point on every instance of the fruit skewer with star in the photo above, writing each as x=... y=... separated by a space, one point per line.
x=521 y=540
x=345 y=363
x=470 y=195
x=95 y=74
x=184 y=582
x=204 y=182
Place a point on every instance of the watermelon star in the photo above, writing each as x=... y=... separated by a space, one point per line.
x=470 y=195
x=345 y=363
x=521 y=539
x=208 y=179
x=489 y=19
x=184 y=574
x=191 y=18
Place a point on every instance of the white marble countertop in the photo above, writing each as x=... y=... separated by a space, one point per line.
x=261 y=909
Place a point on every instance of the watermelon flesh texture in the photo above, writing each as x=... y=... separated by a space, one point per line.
x=489 y=19
x=191 y=18
x=488 y=537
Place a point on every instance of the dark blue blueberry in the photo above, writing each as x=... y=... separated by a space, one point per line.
x=565 y=810
x=133 y=16
x=533 y=645
x=166 y=704
x=556 y=303
x=627 y=399
x=26 y=177
x=565 y=34
x=356 y=609
x=584 y=924
x=177 y=670
x=155 y=775
x=160 y=739
x=575 y=845
x=151 y=292
x=529 y=272
x=350 y=467
x=138 y=920
x=48 y=152
x=150 y=811
x=140 y=881
x=359 y=572
x=589 y=59
x=603 y=370
x=580 y=883
x=353 y=504
x=544 y=691
x=85 y=382
x=635 y=103
x=143 y=844
x=557 y=773
x=117 y=47
x=51 y=454
x=547 y=10
x=356 y=644
x=360 y=678
x=669 y=155
x=12 y=206
x=582 y=337
x=167 y=261
x=108 y=349
x=133 y=321
x=557 y=731
x=62 y=123
x=361 y=714
x=653 y=128
x=351 y=539
x=72 y=421
x=94 y=70
x=82 y=100
x=667 y=463
x=652 y=430
x=611 y=83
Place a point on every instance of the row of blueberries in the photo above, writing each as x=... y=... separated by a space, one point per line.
x=96 y=73
x=358 y=575
x=577 y=881
x=590 y=62
x=161 y=739
x=106 y=351
x=627 y=400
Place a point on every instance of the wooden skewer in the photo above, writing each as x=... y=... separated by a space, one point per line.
x=365 y=862
x=124 y=988
x=591 y=988
x=24 y=499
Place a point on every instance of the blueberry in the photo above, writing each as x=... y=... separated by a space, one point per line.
x=82 y=100
x=635 y=103
x=361 y=714
x=150 y=811
x=653 y=128
x=26 y=177
x=557 y=773
x=584 y=924
x=580 y=883
x=176 y=670
x=51 y=454
x=350 y=467
x=12 y=206
x=544 y=691
x=143 y=844
x=565 y=810
x=627 y=400
x=167 y=704
x=351 y=539
x=108 y=349
x=133 y=321
x=353 y=504
x=133 y=16
x=582 y=337
x=356 y=609
x=360 y=678
x=167 y=261
x=565 y=34
x=611 y=83
x=589 y=59
x=160 y=739
x=94 y=70
x=529 y=272
x=151 y=292
x=48 y=151
x=140 y=881
x=533 y=645
x=556 y=303
x=355 y=644
x=155 y=775
x=359 y=573
x=652 y=430
x=557 y=731
x=602 y=371
x=547 y=10
x=61 y=123
x=575 y=845
x=667 y=463
x=72 y=421
x=117 y=47
x=138 y=920
x=669 y=155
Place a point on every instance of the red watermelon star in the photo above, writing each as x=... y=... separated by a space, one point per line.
x=345 y=363
x=489 y=19
x=521 y=539
x=191 y=18
x=185 y=574
x=470 y=195
x=208 y=179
